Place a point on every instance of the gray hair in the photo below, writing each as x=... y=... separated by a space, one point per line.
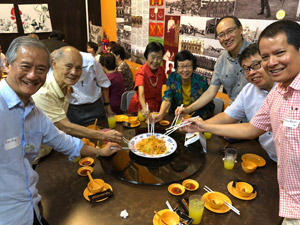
x=24 y=41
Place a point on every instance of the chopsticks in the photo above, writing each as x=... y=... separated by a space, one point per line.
x=126 y=141
x=118 y=147
x=177 y=126
x=176 y=117
x=148 y=121
x=226 y=203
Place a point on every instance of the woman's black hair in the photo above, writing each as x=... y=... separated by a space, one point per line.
x=154 y=47
x=108 y=60
x=185 y=55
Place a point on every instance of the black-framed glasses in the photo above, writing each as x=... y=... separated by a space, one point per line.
x=227 y=32
x=182 y=67
x=254 y=66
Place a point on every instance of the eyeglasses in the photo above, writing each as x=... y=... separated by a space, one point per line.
x=188 y=67
x=227 y=32
x=254 y=66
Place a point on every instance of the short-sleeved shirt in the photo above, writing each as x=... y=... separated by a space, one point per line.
x=116 y=90
x=229 y=73
x=199 y=85
x=152 y=88
x=88 y=88
x=26 y=128
x=127 y=75
x=51 y=100
x=283 y=104
x=247 y=103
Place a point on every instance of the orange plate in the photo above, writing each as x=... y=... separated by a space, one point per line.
x=223 y=209
x=86 y=192
x=175 y=186
x=258 y=160
x=234 y=192
x=81 y=169
x=164 y=122
x=87 y=161
x=121 y=118
x=192 y=183
x=156 y=219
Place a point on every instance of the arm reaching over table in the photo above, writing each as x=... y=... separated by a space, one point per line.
x=239 y=131
x=88 y=150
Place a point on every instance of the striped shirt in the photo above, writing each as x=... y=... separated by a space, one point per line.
x=283 y=104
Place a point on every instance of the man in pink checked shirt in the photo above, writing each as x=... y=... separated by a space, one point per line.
x=279 y=47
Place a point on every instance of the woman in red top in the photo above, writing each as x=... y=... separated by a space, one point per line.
x=149 y=80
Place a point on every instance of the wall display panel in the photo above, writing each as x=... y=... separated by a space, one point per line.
x=35 y=18
x=8 y=22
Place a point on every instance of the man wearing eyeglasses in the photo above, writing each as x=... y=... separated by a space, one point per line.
x=227 y=70
x=251 y=97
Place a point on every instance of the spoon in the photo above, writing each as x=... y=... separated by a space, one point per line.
x=156 y=213
x=94 y=185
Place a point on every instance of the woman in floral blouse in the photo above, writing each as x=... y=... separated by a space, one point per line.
x=185 y=87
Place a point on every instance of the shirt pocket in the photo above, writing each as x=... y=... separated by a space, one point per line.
x=33 y=143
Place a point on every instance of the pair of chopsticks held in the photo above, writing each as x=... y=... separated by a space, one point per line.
x=150 y=129
x=226 y=203
x=173 y=128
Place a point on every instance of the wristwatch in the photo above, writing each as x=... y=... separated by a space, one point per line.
x=106 y=103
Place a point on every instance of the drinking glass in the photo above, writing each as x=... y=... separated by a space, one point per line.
x=140 y=116
x=111 y=119
x=196 y=207
x=230 y=157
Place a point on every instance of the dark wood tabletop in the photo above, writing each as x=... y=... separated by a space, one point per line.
x=62 y=189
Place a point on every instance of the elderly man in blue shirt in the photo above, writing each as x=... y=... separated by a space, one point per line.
x=227 y=71
x=26 y=128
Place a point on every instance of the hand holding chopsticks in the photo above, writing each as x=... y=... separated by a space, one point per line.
x=177 y=126
x=226 y=203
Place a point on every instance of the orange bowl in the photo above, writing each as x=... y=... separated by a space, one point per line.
x=170 y=218
x=94 y=190
x=248 y=166
x=215 y=200
x=82 y=171
x=190 y=185
x=244 y=189
x=87 y=161
x=132 y=119
x=176 y=189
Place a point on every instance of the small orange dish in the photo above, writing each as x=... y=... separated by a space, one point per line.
x=169 y=218
x=132 y=119
x=244 y=189
x=164 y=123
x=93 y=127
x=82 y=171
x=121 y=118
x=248 y=166
x=215 y=200
x=176 y=189
x=258 y=160
x=190 y=185
x=87 y=161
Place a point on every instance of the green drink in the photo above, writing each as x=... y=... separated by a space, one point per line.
x=196 y=207
x=111 y=119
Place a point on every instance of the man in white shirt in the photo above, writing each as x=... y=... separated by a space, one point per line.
x=85 y=102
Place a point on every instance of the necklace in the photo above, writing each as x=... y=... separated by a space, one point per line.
x=154 y=83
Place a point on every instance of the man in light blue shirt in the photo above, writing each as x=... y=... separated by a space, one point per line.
x=227 y=70
x=85 y=102
x=25 y=128
x=251 y=97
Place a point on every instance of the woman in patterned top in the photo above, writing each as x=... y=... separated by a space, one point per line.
x=123 y=67
x=185 y=87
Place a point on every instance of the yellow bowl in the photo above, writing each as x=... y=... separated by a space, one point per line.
x=244 y=189
x=82 y=171
x=215 y=200
x=87 y=161
x=248 y=166
x=190 y=185
x=132 y=119
x=96 y=190
x=170 y=218
x=176 y=189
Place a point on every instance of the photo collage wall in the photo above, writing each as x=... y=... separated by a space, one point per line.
x=35 y=18
x=190 y=25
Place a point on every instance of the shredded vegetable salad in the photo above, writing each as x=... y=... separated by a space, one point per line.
x=152 y=146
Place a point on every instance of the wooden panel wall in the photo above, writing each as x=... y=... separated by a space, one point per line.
x=67 y=16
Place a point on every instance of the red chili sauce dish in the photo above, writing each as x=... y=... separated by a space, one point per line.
x=190 y=185
x=87 y=161
x=176 y=189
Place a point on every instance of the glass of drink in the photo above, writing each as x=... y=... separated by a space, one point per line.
x=111 y=119
x=230 y=157
x=140 y=116
x=196 y=207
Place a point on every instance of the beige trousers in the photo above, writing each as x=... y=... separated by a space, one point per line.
x=287 y=221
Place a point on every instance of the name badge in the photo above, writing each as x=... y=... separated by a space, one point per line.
x=12 y=143
x=291 y=123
